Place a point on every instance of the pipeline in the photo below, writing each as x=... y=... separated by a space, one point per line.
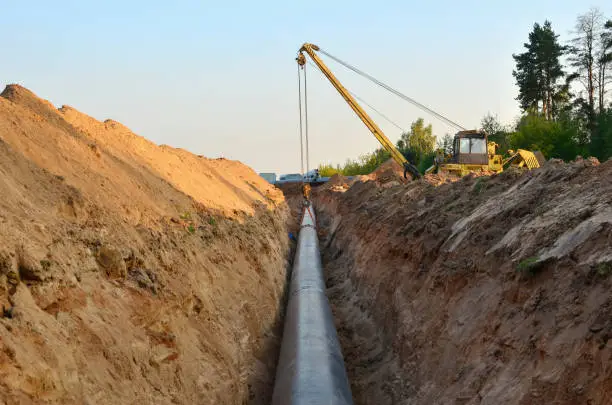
x=311 y=367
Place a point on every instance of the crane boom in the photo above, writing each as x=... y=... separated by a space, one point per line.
x=365 y=118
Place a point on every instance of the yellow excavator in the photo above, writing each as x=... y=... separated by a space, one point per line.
x=473 y=153
x=365 y=118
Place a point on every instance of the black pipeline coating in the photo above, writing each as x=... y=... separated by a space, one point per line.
x=311 y=368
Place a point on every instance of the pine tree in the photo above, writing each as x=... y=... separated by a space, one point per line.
x=538 y=71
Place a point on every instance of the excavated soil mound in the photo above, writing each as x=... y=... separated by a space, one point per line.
x=337 y=182
x=390 y=166
x=389 y=172
x=131 y=272
x=489 y=290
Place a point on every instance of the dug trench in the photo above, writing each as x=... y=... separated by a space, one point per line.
x=488 y=290
x=137 y=273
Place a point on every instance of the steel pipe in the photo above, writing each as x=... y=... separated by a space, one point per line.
x=311 y=368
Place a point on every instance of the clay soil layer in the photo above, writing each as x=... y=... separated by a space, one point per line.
x=489 y=290
x=131 y=273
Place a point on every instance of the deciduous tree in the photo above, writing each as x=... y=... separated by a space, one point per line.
x=446 y=143
x=604 y=63
x=584 y=51
x=419 y=142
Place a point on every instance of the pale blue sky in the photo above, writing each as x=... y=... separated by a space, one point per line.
x=219 y=78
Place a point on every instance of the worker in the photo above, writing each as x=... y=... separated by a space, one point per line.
x=306 y=193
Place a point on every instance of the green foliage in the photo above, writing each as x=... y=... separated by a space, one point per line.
x=583 y=56
x=497 y=133
x=490 y=124
x=529 y=267
x=502 y=139
x=601 y=139
x=417 y=144
x=538 y=71
x=366 y=163
x=327 y=170
x=426 y=162
x=212 y=221
x=555 y=139
x=480 y=185
x=191 y=229
x=556 y=122
x=604 y=269
x=446 y=144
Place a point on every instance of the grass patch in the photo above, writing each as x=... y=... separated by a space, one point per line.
x=604 y=269
x=480 y=185
x=540 y=211
x=530 y=266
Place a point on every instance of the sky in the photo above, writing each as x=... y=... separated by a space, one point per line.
x=220 y=78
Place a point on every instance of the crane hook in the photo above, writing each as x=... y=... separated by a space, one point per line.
x=301 y=59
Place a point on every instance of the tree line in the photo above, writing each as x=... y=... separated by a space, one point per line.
x=563 y=91
x=417 y=145
x=563 y=94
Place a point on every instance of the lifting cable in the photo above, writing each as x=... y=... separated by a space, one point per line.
x=383 y=116
x=392 y=90
x=306 y=120
x=377 y=112
x=301 y=131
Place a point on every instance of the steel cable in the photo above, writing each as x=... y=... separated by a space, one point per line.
x=301 y=131
x=392 y=90
x=383 y=116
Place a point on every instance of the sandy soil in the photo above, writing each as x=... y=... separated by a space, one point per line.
x=490 y=290
x=131 y=272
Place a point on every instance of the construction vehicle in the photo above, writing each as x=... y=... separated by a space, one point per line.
x=365 y=118
x=472 y=152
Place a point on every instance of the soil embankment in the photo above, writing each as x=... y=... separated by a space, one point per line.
x=490 y=290
x=131 y=272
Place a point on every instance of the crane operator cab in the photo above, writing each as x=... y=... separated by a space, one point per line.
x=470 y=148
x=471 y=152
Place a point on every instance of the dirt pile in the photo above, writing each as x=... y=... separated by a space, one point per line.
x=389 y=174
x=489 y=290
x=337 y=182
x=390 y=167
x=438 y=179
x=130 y=272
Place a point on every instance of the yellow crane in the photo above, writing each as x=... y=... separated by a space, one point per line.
x=311 y=49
